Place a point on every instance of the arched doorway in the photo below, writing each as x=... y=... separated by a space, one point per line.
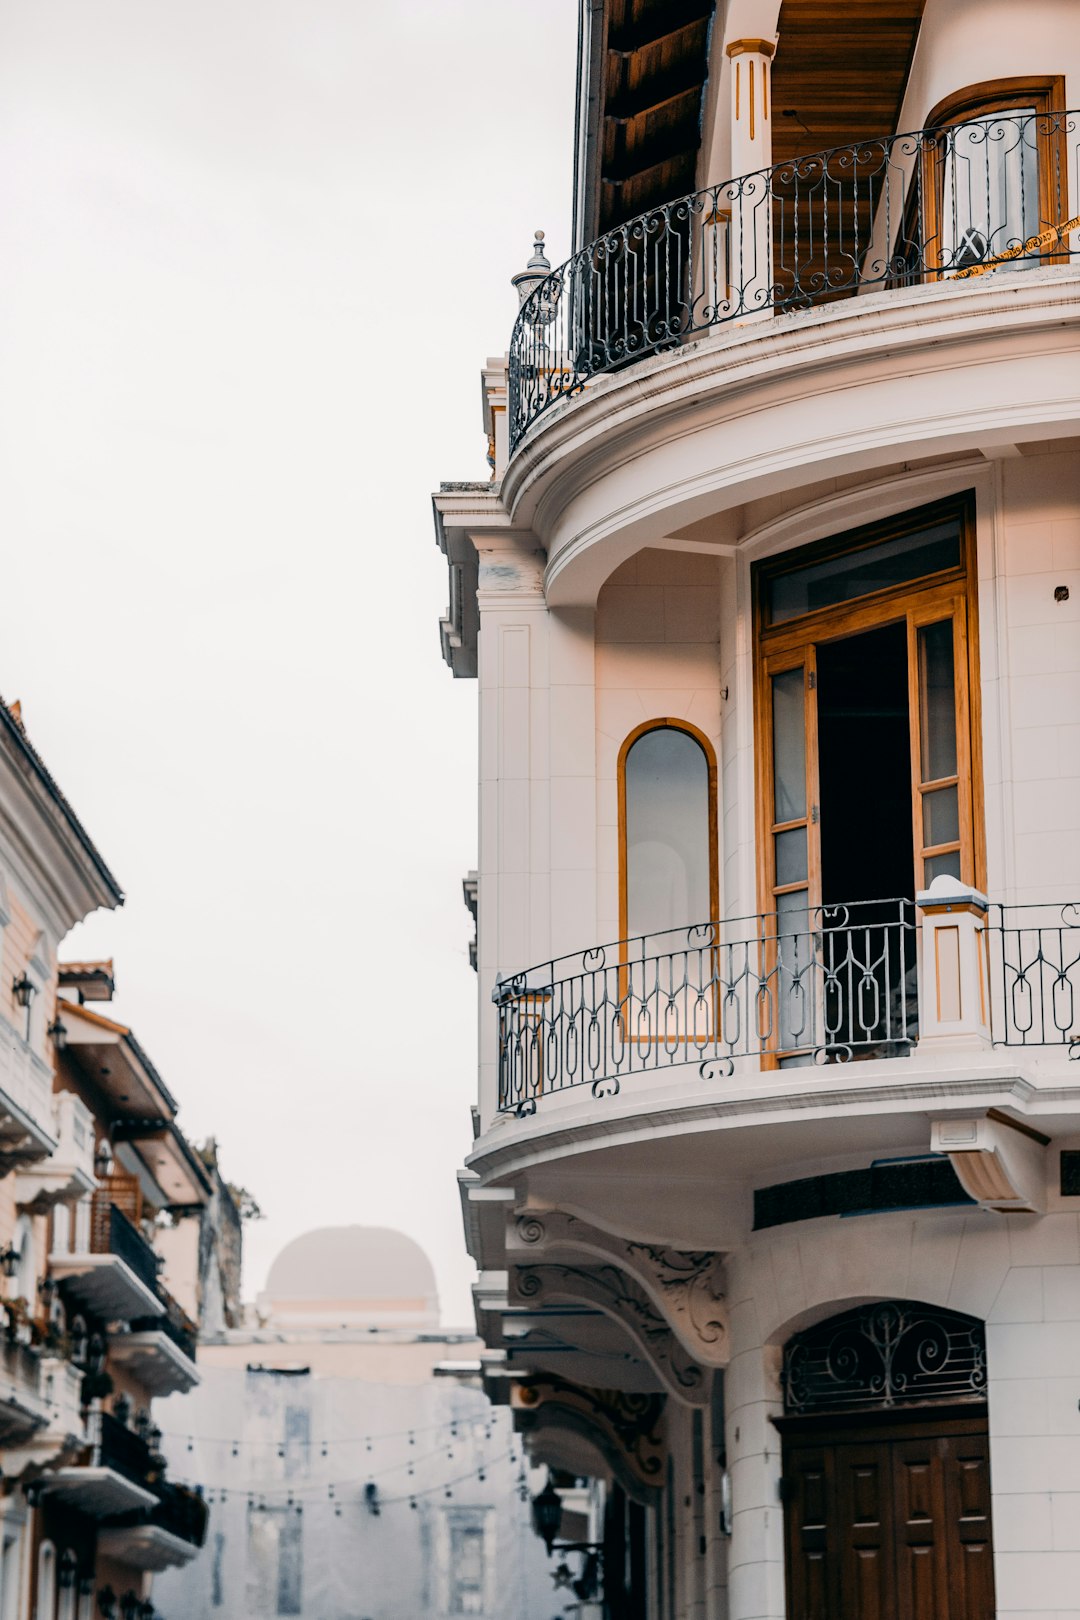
x=886 y=1468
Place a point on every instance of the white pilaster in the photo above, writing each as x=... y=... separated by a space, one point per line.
x=514 y=849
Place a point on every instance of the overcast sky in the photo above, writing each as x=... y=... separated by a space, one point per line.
x=253 y=254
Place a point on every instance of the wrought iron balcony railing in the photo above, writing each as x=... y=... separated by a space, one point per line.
x=1035 y=975
x=820 y=986
x=173 y=1324
x=121 y=1449
x=181 y=1512
x=802 y=987
x=112 y=1233
x=1000 y=191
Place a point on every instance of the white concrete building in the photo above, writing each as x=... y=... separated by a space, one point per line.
x=352 y=1466
x=774 y=604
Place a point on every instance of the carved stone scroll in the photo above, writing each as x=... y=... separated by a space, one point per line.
x=627 y=1430
x=609 y=1289
x=686 y=1286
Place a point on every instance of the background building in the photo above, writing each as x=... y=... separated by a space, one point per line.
x=774 y=605
x=354 y=1469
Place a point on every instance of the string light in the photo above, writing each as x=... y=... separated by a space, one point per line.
x=333 y=1490
x=408 y=1463
x=451 y=1425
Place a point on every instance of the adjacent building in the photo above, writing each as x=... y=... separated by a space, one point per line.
x=97 y=1187
x=773 y=601
x=353 y=1468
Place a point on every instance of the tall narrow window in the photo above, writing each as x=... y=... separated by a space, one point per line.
x=467 y=1568
x=290 y=1564
x=667 y=783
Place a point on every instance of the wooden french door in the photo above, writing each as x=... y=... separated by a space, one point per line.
x=889 y=1524
x=932 y=630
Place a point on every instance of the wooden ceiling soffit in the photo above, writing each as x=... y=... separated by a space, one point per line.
x=840 y=72
x=652 y=79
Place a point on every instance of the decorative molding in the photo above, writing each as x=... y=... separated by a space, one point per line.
x=609 y=1289
x=685 y=1286
x=626 y=1429
x=692 y=1282
x=598 y=475
x=756 y=47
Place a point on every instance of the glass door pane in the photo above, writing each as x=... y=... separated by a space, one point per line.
x=937 y=811
x=789 y=1014
x=990 y=188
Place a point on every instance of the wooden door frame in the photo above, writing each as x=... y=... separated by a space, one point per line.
x=843 y=1428
x=877 y=608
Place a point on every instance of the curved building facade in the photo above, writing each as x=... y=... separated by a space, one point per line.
x=774 y=604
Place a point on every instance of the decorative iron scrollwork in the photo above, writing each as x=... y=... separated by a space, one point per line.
x=891 y=213
x=821 y=986
x=885 y=1355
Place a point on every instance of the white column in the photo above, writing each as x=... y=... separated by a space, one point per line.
x=750 y=244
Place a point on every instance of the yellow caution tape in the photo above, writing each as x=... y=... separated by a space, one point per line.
x=1044 y=238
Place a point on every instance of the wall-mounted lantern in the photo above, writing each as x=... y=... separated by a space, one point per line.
x=547 y=1512
x=24 y=990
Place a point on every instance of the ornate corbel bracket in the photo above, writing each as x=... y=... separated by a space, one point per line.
x=627 y=1430
x=619 y=1296
x=686 y=1286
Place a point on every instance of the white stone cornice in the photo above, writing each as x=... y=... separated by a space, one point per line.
x=576 y=1132
x=750 y=410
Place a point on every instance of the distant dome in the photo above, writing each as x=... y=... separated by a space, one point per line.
x=347 y=1273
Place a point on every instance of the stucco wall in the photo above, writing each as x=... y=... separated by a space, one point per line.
x=657 y=655
x=964 y=42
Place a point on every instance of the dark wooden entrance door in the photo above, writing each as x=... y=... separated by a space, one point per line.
x=889 y=1522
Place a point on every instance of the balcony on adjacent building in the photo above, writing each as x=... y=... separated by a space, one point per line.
x=27 y=1119
x=168 y=1535
x=116 y=1476
x=108 y=1267
x=736 y=1001
x=947 y=205
x=68 y=1172
x=159 y=1350
x=24 y=1405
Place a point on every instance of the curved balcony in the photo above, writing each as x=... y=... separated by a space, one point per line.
x=827 y=986
x=930 y=206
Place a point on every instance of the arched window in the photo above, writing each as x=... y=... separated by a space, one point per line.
x=999 y=190
x=667 y=829
x=46 y=1582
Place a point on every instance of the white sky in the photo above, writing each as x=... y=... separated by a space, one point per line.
x=253 y=254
